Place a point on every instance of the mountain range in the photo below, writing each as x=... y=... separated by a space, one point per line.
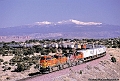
x=63 y=29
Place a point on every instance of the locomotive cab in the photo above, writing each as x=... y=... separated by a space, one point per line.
x=46 y=62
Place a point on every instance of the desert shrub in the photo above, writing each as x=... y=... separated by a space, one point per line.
x=1 y=60
x=3 y=66
x=114 y=46
x=7 y=78
x=4 y=70
x=9 y=68
x=17 y=59
x=36 y=66
x=5 y=62
x=26 y=58
x=30 y=63
x=20 y=67
x=80 y=71
x=12 y=63
x=113 y=59
x=35 y=57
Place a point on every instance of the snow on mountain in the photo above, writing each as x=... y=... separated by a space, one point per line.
x=64 y=22
x=71 y=21
x=43 y=23
x=85 y=23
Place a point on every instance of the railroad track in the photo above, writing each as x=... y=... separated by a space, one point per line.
x=38 y=74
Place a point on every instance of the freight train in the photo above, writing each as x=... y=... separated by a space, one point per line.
x=60 y=61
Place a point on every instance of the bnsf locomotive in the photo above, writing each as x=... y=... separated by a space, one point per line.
x=60 y=61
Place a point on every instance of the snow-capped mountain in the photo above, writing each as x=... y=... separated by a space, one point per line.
x=71 y=21
x=62 y=29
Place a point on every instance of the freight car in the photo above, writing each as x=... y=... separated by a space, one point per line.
x=60 y=61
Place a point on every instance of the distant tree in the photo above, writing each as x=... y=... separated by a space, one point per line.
x=64 y=51
x=53 y=50
x=13 y=42
x=5 y=46
x=114 y=46
x=27 y=58
x=53 y=40
x=29 y=51
x=27 y=41
x=66 y=39
x=37 y=48
x=17 y=52
x=17 y=59
x=2 y=51
x=61 y=39
x=47 y=51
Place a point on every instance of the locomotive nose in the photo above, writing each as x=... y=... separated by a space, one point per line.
x=44 y=65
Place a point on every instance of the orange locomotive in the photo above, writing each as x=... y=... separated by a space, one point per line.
x=47 y=62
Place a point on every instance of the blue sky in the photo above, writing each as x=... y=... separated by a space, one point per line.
x=20 y=12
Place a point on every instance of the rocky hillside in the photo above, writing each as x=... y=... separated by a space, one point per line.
x=104 y=70
x=101 y=68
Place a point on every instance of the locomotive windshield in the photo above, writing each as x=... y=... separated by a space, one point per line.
x=48 y=58
x=42 y=58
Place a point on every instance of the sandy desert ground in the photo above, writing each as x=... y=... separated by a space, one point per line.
x=105 y=69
